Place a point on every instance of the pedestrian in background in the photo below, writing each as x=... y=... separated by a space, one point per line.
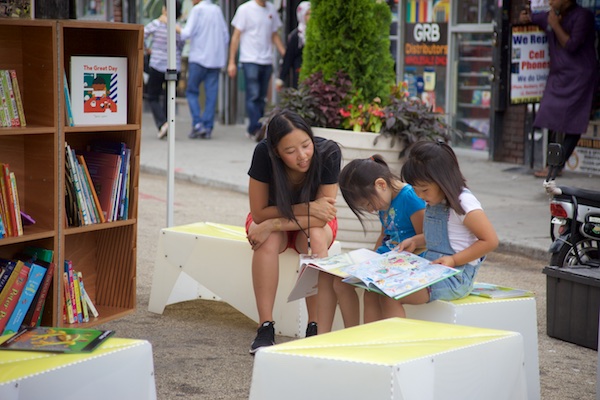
x=567 y=100
x=156 y=32
x=255 y=24
x=207 y=30
x=292 y=61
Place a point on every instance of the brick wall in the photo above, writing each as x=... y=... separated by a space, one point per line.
x=512 y=143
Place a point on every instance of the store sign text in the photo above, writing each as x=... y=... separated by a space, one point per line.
x=426 y=44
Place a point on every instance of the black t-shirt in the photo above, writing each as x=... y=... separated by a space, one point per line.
x=262 y=170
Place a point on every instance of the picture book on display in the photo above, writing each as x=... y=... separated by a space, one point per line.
x=492 y=291
x=98 y=90
x=396 y=274
x=56 y=340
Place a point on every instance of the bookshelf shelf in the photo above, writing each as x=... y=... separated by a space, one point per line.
x=39 y=51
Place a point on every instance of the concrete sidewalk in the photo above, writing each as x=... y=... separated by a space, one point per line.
x=513 y=199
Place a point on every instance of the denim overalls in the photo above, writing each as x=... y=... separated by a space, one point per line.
x=435 y=228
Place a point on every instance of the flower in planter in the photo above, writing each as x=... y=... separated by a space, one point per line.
x=361 y=117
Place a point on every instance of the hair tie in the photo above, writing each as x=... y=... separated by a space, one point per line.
x=371 y=158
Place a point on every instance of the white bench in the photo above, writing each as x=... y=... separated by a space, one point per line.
x=213 y=262
x=397 y=358
x=518 y=315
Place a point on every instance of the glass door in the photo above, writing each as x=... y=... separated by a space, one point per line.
x=473 y=88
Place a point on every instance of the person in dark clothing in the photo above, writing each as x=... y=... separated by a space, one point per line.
x=292 y=60
x=567 y=100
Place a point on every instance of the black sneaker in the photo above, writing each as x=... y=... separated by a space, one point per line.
x=265 y=336
x=311 y=329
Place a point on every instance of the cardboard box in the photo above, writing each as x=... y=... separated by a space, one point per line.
x=573 y=303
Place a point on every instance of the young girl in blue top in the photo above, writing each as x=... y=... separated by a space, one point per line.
x=368 y=186
x=456 y=231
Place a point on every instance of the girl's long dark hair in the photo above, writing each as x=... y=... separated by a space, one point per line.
x=435 y=162
x=278 y=127
x=357 y=182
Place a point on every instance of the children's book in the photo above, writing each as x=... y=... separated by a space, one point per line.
x=306 y=285
x=396 y=274
x=56 y=340
x=99 y=90
x=34 y=280
x=492 y=291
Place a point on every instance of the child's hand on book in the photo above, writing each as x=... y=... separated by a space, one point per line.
x=448 y=261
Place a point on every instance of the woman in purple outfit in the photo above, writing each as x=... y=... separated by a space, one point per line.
x=567 y=100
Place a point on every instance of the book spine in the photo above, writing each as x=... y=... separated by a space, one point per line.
x=85 y=190
x=18 y=98
x=2 y=229
x=68 y=108
x=43 y=294
x=9 y=200
x=14 y=292
x=4 y=115
x=11 y=102
x=10 y=267
x=36 y=275
x=125 y=185
x=77 y=297
x=84 y=307
x=68 y=305
x=16 y=205
x=77 y=185
x=70 y=276
x=90 y=304
x=91 y=187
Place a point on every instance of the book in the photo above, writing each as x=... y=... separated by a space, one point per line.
x=90 y=304
x=34 y=279
x=16 y=205
x=34 y=314
x=491 y=291
x=306 y=284
x=84 y=306
x=10 y=101
x=8 y=200
x=11 y=293
x=397 y=274
x=39 y=253
x=104 y=170
x=68 y=109
x=69 y=317
x=9 y=266
x=56 y=340
x=4 y=113
x=81 y=204
x=77 y=292
x=92 y=189
x=99 y=90
x=70 y=281
x=18 y=98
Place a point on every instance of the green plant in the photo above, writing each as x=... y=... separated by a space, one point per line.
x=350 y=36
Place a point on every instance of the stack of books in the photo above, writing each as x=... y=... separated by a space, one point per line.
x=97 y=183
x=24 y=284
x=78 y=306
x=11 y=106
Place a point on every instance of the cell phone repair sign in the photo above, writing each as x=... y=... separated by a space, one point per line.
x=529 y=64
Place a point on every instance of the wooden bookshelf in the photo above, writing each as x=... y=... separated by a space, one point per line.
x=40 y=50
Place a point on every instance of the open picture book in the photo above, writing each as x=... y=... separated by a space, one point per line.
x=394 y=274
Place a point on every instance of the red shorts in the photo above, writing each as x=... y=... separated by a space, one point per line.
x=292 y=235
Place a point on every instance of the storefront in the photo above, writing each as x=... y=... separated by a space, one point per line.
x=444 y=52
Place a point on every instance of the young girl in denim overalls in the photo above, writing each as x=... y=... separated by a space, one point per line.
x=456 y=231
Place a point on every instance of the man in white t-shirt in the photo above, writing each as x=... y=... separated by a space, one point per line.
x=255 y=26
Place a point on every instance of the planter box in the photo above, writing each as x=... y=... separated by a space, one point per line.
x=359 y=145
x=573 y=303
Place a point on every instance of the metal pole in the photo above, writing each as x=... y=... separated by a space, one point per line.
x=171 y=78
